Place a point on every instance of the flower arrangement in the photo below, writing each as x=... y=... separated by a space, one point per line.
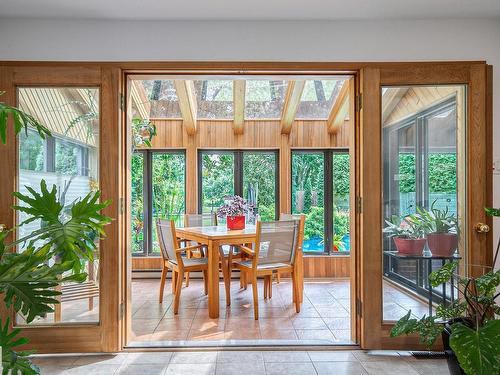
x=234 y=206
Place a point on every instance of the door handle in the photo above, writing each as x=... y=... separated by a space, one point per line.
x=482 y=228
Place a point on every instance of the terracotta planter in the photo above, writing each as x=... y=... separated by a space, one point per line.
x=235 y=222
x=408 y=246
x=442 y=244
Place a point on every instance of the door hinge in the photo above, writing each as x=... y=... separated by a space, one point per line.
x=122 y=205
x=359 y=307
x=359 y=205
x=359 y=102
x=122 y=102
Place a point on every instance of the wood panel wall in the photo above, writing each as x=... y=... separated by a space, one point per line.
x=314 y=266
x=257 y=134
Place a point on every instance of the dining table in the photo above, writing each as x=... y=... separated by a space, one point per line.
x=213 y=237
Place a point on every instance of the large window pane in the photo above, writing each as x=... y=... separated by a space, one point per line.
x=154 y=99
x=70 y=161
x=421 y=150
x=264 y=99
x=137 y=202
x=217 y=179
x=168 y=187
x=214 y=99
x=318 y=98
x=259 y=182
x=308 y=197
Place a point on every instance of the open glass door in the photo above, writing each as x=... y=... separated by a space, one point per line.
x=76 y=108
x=428 y=140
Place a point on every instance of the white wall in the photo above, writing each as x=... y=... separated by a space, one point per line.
x=468 y=39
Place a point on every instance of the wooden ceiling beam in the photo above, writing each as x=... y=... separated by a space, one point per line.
x=187 y=104
x=140 y=99
x=239 y=88
x=292 y=101
x=390 y=100
x=340 y=109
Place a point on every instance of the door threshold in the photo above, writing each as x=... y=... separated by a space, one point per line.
x=241 y=345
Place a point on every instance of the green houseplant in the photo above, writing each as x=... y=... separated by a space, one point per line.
x=441 y=230
x=52 y=254
x=470 y=330
x=407 y=233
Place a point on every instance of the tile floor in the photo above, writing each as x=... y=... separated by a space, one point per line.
x=244 y=363
x=324 y=316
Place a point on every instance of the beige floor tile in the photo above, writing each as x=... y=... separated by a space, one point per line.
x=315 y=334
x=339 y=368
x=238 y=356
x=157 y=358
x=278 y=334
x=194 y=357
x=290 y=369
x=243 y=368
x=308 y=323
x=332 y=356
x=389 y=368
x=286 y=356
x=142 y=369
x=188 y=369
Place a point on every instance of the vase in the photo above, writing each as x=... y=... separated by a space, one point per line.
x=407 y=246
x=442 y=244
x=451 y=358
x=235 y=222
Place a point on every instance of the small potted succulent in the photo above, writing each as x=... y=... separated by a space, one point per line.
x=441 y=228
x=234 y=210
x=407 y=233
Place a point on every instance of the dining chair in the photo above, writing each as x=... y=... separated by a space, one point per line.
x=171 y=252
x=197 y=220
x=274 y=250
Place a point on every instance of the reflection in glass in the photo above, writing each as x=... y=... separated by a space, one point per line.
x=264 y=99
x=70 y=161
x=318 y=98
x=154 y=99
x=214 y=99
x=420 y=160
x=341 y=210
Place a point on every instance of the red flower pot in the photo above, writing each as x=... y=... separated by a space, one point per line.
x=235 y=222
x=409 y=246
x=442 y=244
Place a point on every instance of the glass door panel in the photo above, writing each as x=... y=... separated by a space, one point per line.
x=341 y=242
x=68 y=160
x=137 y=202
x=421 y=148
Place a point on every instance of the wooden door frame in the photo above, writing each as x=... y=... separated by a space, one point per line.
x=79 y=337
x=477 y=77
x=110 y=334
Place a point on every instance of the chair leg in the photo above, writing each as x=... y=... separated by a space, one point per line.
x=164 y=272
x=270 y=286
x=266 y=281
x=255 y=296
x=278 y=278
x=189 y=255
x=226 y=278
x=205 y=281
x=174 y=281
x=178 y=288
x=296 y=298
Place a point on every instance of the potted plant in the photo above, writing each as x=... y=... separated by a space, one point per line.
x=143 y=131
x=441 y=228
x=469 y=328
x=338 y=242
x=234 y=210
x=407 y=233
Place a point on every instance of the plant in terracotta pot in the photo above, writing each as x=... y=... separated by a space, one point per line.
x=234 y=210
x=441 y=228
x=407 y=233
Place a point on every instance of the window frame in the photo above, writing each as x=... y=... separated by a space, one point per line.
x=328 y=194
x=238 y=155
x=147 y=198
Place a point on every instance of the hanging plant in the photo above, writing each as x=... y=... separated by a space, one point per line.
x=143 y=132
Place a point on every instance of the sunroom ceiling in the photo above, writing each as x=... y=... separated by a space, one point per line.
x=319 y=99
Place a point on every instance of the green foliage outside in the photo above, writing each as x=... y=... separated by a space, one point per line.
x=442 y=173
x=217 y=179
x=259 y=171
x=137 y=202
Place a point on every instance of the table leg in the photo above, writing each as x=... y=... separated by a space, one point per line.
x=213 y=279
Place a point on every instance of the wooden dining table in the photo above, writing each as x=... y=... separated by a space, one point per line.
x=216 y=236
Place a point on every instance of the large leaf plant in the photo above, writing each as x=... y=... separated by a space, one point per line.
x=48 y=257
x=475 y=331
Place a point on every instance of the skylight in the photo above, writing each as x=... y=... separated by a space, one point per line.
x=214 y=99
x=264 y=99
x=318 y=98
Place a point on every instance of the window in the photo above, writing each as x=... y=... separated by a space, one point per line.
x=31 y=152
x=158 y=192
x=249 y=174
x=318 y=98
x=154 y=99
x=320 y=190
x=214 y=99
x=264 y=99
